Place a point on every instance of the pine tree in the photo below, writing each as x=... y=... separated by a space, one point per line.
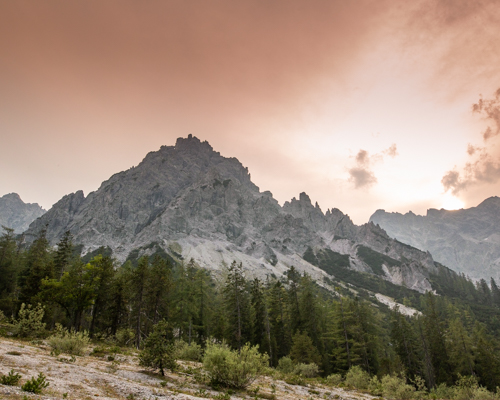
x=39 y=266
x=487 y=359
x=261 y=329
x=460 y=348
x=237 y=306
x=406 y=344
x=105 y=271
x=293 y=277
x=303 y=350
x=434 y=333
x=279 y=322
x=159 y=289
x=63 y=254
x=138 y=284
x=495 y=293
x=9 y=269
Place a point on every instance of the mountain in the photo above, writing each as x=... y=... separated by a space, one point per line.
x=466 y=240
x=16 y=214
x=187 y=201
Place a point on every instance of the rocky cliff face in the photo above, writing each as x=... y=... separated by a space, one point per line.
x=16 y=214
x=466 y=240
x=190 y=201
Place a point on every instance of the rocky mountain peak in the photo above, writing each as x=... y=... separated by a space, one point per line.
x=466 y=240
x=191 y=202
x=16 y=214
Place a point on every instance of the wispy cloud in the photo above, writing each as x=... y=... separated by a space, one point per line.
x=484 y=166
x=362 y=175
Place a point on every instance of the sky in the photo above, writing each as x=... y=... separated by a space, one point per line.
x=363 y=105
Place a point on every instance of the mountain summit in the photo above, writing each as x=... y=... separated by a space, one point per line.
x=190 y=202
x=466 y=240
x=16 y=214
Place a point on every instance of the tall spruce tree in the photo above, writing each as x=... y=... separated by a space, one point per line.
x=237 y=304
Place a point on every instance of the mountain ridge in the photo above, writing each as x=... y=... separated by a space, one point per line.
x=189 y=201
x=16 y=214
x=466 y=240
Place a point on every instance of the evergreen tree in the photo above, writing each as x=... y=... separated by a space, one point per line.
x=138 y=282
x=279 y=322
x=159 y=289
x=237 y=306
x=105 y=271
x=293 y=280
x=460 y=348
x=303 y=350
x=434 y=333
x=495 y=293
x=63 y=254
x=261 y=329
x=406 y=344
x=39 y=266
x=9 y=267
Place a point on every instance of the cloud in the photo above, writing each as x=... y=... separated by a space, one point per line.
x=484 y=166
x=362 y=177
x=490 y=110
x=362 y=174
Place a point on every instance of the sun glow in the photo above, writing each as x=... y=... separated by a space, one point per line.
x=451 y=202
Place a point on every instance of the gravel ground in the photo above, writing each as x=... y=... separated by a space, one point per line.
x=90 y=377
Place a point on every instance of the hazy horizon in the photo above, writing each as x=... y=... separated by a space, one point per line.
x=362 y=105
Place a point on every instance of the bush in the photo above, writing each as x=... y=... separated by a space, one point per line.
x=189 y=352
x=231 y=369
x=357 y=378
x=334 y=379
x=306 y=370
x=124 y=336
x=285 y=365
x=12 y=379
x=158 y=352
x=30 y=322
x=396 y=388
x=63 y=341
x=375 y=387
x=442 y=392
x=35 y=385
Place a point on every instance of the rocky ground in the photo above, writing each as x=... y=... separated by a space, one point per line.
x=119 y=376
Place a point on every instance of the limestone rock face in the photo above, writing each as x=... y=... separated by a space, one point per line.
x=466 y=240
x=192 y=202
x=16 y=214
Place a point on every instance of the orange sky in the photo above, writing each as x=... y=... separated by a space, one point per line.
x=361 y=104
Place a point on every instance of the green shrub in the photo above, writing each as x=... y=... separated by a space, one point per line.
x=158 y=352
x=396 y=388
x=35 y=385
x=357 y=378
x=124 y=336
x=63 y=341
x=229 y=368
x=375 y=387
x=334 y=379
x=442 y=392
x=467 y=388
x=186 y=351
x=285 y=365
x=12 y=379
x=306 y=370
x=29 y=322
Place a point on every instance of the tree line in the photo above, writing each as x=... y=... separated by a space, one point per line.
x=293 y=316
